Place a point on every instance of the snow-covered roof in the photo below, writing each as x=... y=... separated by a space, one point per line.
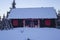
x=43 y=12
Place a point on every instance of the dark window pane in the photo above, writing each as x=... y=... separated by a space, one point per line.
x=35 y=22
x=21 y=22
x=27 y=22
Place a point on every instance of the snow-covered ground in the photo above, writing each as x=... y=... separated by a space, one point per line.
x=31 y=33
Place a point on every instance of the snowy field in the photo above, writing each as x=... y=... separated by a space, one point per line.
x=31 y=33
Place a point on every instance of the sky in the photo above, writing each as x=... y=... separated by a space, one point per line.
x=5 y=5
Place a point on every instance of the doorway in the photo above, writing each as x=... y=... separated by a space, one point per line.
x=31 y=22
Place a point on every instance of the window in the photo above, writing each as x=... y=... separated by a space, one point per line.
x=28 y=22
x=35 y=22
x=21 y=22
x=47 y=22
x=15 y=22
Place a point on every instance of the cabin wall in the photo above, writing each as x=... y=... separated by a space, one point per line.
x=33 y=23
x=17 y=23
x=48 y=23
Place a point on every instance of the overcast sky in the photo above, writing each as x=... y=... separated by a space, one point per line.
x=5 y=5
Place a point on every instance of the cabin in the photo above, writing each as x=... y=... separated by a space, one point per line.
x=33 y=17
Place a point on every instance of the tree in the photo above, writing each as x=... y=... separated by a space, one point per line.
x=5 y=23
x=58 y=19
x=0 y=23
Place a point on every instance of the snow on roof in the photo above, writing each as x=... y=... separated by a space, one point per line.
x=31 y=33
x=21 y=13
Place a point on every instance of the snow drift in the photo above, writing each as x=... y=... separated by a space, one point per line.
x=31 y=33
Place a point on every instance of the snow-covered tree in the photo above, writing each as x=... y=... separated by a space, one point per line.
x=58 y=14
x=5 y=23
x=0 y=23
x=58 y=19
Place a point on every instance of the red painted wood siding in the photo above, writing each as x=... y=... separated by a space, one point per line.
x=48 y=22
x=15 y=22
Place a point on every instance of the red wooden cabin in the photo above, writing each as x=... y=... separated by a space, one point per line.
x=33 y=17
